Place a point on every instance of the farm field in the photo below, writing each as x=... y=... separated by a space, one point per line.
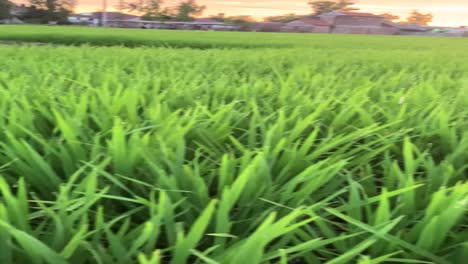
x=224 y=40
x=140 y=146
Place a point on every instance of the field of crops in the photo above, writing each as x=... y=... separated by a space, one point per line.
x=243 y=148
x=209 y=40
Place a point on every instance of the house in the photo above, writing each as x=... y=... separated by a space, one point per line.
x=198 y=24
x=212 y=24
x=82 y=19
x=13 y=20
x=357 y=23
x=460 y=32
x=312 y=25
x=201 y=24
x=266 y=27
x=421 y=30
x=225 y=27
x=16 y=12
x=208 y=21
x=413 y=30
x=448 y=32
x=115 y=16
x=113 y=19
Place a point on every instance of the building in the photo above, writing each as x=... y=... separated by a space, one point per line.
x=199 y=24
x=460 y=32
x=83 y=19
x=212 y=24
x=115 y=19
x=13 y=20
x=121 y=20
x=16 y=12
x=115 y=16
x=357 y=23
x=413 y=30
x=311 y=25
x=266 y=27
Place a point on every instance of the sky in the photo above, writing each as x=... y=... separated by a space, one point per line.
x=446 y=12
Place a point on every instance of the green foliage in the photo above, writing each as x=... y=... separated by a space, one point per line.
x=187 y=10
x=5 y=7
x=283 y=18
x=307 y=149
x=389 y=17
x=43 y=11
x=209 y=40
x=321 y=7
x=419 y=18
x=148 y=9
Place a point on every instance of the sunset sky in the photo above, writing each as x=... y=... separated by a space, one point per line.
x=446 y=12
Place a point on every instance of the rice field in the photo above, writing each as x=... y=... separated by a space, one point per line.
x=137 y=146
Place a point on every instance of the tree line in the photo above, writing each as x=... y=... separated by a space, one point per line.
x=186 y=11
x=5 y=7
x=321 y=7
x=42 y=11
x=156 y=10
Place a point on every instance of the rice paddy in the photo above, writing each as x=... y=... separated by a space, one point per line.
x=215 y=149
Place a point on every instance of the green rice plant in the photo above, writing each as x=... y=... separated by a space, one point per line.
x=210 y=147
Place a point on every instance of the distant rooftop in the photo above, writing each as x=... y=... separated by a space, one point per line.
x=413 y=27
x=113 y=15
x=207 y=20
x=346 y=13
x=314 y=22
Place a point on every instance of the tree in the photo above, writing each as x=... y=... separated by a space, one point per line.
x=148 y=9
x=143 y=7
x=155 y=10
x=419 y=18
x=321 y=7
x=54 y=10
x=282 y=18
x=5 y=7
x=35 y=15
x=54 y=5
x=242 y=21
x=389 y=17
x=186 y=10
x=220 y=17
x=121 y=5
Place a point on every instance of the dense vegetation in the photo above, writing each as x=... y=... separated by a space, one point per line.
x=225 y=40
x=322 y=154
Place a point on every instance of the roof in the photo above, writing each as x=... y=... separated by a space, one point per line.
x=314 y=22
x=457 y=30
x=354 y=14
x=359 y=14
x=269 y=23
x=114 y=16
x=13 y=20
x=206 y=20
x=389 y=24
x=411 y=27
